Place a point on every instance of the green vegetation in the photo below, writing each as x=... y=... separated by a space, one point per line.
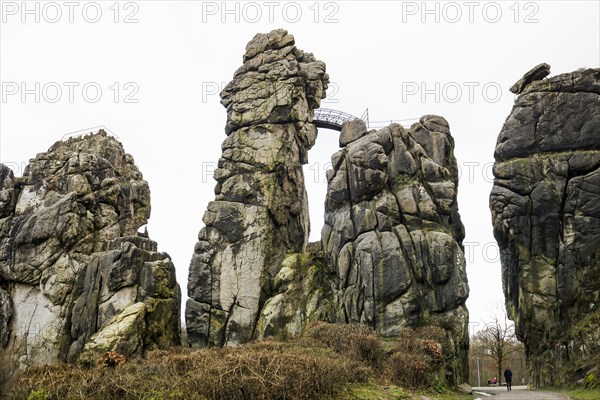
x=39 y=394
x=373 y=391
x=450 y=395
x=583 y=394
x=586 y=325
x=385 y=392
x=576 y=394
x=331 y=362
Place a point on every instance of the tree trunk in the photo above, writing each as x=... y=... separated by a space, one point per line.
x=499 y=370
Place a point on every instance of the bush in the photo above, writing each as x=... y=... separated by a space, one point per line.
x=409 y=370
x=325 y=363
x=430 y=332
x=434 y=350
x=358 y=342
x=111 y=359
x=417 y=362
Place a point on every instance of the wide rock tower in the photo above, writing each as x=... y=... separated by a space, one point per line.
x=545 y=207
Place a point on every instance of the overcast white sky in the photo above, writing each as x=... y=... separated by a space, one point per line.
x=149 y=71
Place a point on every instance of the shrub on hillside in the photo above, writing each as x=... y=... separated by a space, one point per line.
x=356 y=341
x=430 y=332
x=417 y=362
x=409 y=370
x=111 y=359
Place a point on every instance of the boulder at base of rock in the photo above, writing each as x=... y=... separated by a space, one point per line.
x=465 y=388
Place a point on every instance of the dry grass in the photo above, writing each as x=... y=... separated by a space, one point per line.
x=262 y=370
x=329 y=360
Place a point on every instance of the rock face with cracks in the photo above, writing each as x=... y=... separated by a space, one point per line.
x=76 y=277
x=393 y=235
x=260 y=212
x=545 y=207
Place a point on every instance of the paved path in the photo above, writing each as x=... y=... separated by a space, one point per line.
x=518 y=393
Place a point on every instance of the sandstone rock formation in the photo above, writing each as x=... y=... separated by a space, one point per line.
x=391 y=251
x=393 y=235
x=76 y=278
x=545 y=207
x=260 y=211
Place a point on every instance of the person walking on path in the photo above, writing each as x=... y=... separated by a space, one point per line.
x=508 y=378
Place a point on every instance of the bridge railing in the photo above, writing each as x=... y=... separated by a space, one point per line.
x=382 y=124
x=332 y=116
x=333 y=119
x=83 y=132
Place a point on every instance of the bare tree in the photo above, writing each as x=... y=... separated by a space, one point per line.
x=498 y=340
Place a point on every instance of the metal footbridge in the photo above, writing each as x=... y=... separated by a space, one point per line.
x=333 y=119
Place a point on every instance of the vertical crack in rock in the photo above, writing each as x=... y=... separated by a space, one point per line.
x=75 y=276
x=545 y=206
x=260 y=211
